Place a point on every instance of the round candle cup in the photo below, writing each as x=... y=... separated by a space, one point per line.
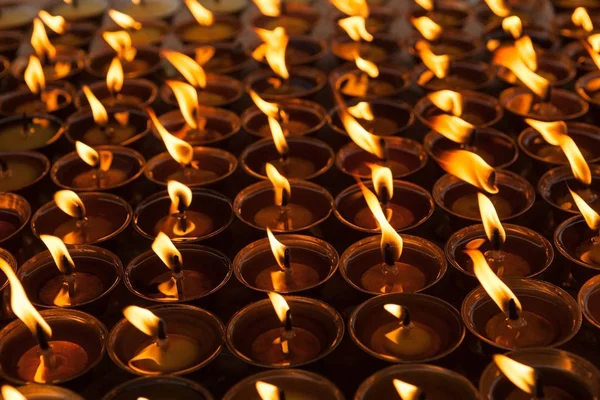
x=22 y=170
x=447 y=14
x=554 y=185
x=381 y=48
x=390 y=117
x=151 y=33
x=147 y=62
x=313 y=262
x=564 y=105
x=563 y=24
x=140 y=92
x=570 y=5
x=64 y=54
x=77 y=338
x=557 y=68
x=148 y=10
x=41 y=131
x=411 y=206
x=295 y=383
x=220 y=126
x=48 y=392
x=301 y=50
x=200 y=331
x=7 y=257
x=14 y=15
x=405 y=157
x=584 y=87
x=391 y=82
x=107 y=216
x=421 y=265
x=9 y=44
x=577 y=52
x=573 y=239
x=459 y=198
x=319 y=330
x=220 y=91
x=458 y=45
x=97 y=272
x=303 y=82
x=497 y=149
x=224 y=29
x=82 y=127
x=71 y=172
x=541 y=37
x=171 y=387
x=436 y=382
x=524 y=10
x=229 y=59
x=23 y=101
x=211 y=165
x=85 y=11
x=296 y=20
x=15 y=212
x=440 y=324
x=589 y=301
x=562 y=375
x=208 y=207
x=307 y=158
x=380 y=19
x=558 y=314
x=462 y=75
x=305 y=118
x=310 y=204
x=78 y=35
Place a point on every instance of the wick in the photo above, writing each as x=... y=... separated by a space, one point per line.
x=496 y=240
x=384 y=149
x=388 y=255
x=513 y=313
x=41 y=338
x=286 y=259
x=472 y=138
x=25 y=129
x=548 y=96
x=281 y=393
x=3 y=166
x=161 y=332
x=539 y=386
x=384 y=195
x=176 y=264
x=492 y=178
x=288 y=327
x=178 y=275
x=406 y=318
x=75 y=3
x=284 y=198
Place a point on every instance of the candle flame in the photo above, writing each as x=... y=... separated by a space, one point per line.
x=509 y=57
x=102 y=159
x=34 y=75
x=470 y=168
x=490 y=219
x=190 y=69
x=40 y=42
x=98 y=111
x=203 y=54
x=70 y=203
x=114 y=76
x=362 y=110
x=591 y=217
x=180 y=150
x=550 y=131
x=394 y=309
x=59 y=253
x=356 y=28
x=382 y=179
x=492 y=45
x=275 y=42
x=187 y=98
x=278 y=136
x=120 y=42
x=581 y=18
x=521 y=375
x=448 y=101
x=270 y=109
x=526 y=51
x=179 y=193
x=352 y=7
x=54 y=22
x=280 y=184
x=280 y=306
x=123 y=20
x=495 y=288
x=266 y=391
x=406 y=391
x=580 y=168
x=359 y=135
x=426 y=4
x=438 y=64
x=427 y=27
x=454 y=128
x=164 y=248
x=200 y=13
x=10 y=393
x=513 y=25
x=592 y=45
x=270 y=8
x=367 y=66
x=498 y=7
x=143 y=319
x=277 y=248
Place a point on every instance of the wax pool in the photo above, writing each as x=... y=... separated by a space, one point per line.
x=397 y=215
x=366 y=51
x=290 y=217
x=75 y=231
x=70 y=360
x=402 y=277
x=592 y=198
x=292 y=167
x=303 y=346
x=85 y=9
x=298 y=277
x=415 y=341
x=87 y=288
x=27 y=134
x=468 y=206
x=506 y=264
x=530 y=330
x=218 y=32
x=191 y=175
x=292 y=127
x=379 y=126
x=20 y=172
x=99 y=179
x=9 y=223
x=148 y=9
x=190 y=134
x=178 y=353
x=556 y=385
x=196 y=224
x=112 y=133
x=292 y=25
x=193 y=284
x=589 y=251
x=361 y=85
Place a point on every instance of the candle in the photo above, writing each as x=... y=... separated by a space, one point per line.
x=14 y=215
x=135 y=61
x=588 y=251
x=77 y=10
x=301 y=50
x=173 y=387
x=29 y=132
x=15 y=15
x=67 y=34
x=205 y=26
x=380 y=81
x=379 y=117
x=447 y=15
x=297 y=20
x=454 y=43
x=381 y=48
x=48 y=392
x=149 y=10
x=19 y=170
x=141 y=33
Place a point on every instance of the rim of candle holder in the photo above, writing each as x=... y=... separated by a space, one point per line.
x=478 y=67
x=201 y=150
x=403 y=299
x=305 y=13
x=50 y=315
x=31 y=14
x=14 y=200
x=474 y=46
x=291 y=140
x=317 y=50
x=162 y=26
x=545 y=59
x=82 y=103
x=11 y=41
x=39 y=157
x=322 y=307
x=20 y=117
x=287 y=105
x=463 y=11
x=114 y=199
x=291 y=241
x=86 y=114
x=373 y=243
x=398 y=143
x=539 y=357
x=432 y=138
x=397 y=371
x=212 y=80
x=317 y=77
x=562 y=24
x=425 y=107
x=399 y=104
x=590 y=287
x=200 y=313
x=304 y=377
x=389 y=45
x=581 y=87
x=181 y=27
x=72 y=55
x=561 y=175
x=96 y=14
x=576 y=52
x=4 y=65
x=264 y=186
x=508 y=95
x=562 y=248
x=48 y=392
x=505 y=177
x=529 y=135
x=17 y=97
x=398 y=184
x=149 y=254
x=45 y=260
x=160 y=380
x=342 y=74
x=234 y=48
x=473 y=232
x=167 y=14
x=150 y=52
x=521 y=287
x=11 y=261
x=541 y=36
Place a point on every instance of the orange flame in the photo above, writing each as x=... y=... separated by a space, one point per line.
x=276 y=42
x=266 y=391
x=550 y=131
x=187 y=98
x=280 y=183
x=594 y=41
x=394 y=309
x=280 y=306
x=10 y=393
x=114 y=76
x=190 y=69
x=93 y=158
x=123 y=20
x=581 y=18
x=352 y=7
x=359 y=135
x=454 y=128
x=270 y=109
x=498 y=7
x=34 y=75
x=277 y=248
x=180 y=150
x=426 y=4
x=508 y=57
x=367 y=66
x=178 y=193
x=428 y=29
x=521 y=375
x=526 y=51
x=362 y=110
x=592 y=45
x=202 y=15
x=54 y=22
x=448 y=101
x=203 y=54
x=168 y=253
x=120 y=42
x=406 y=391
x=98 y=111
x=270 y=8
x=382 y=178
x=143 y=319
x=591 y=217
x=59 y=253
x=580 y=168
x=438 y=64
x=278 y=136
x=513 y=25
x=490 y=219
x=40 y=42
x=70 y=203
x=471 y=168
x=356 y=28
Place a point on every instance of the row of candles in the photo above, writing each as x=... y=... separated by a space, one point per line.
x=394 y=327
